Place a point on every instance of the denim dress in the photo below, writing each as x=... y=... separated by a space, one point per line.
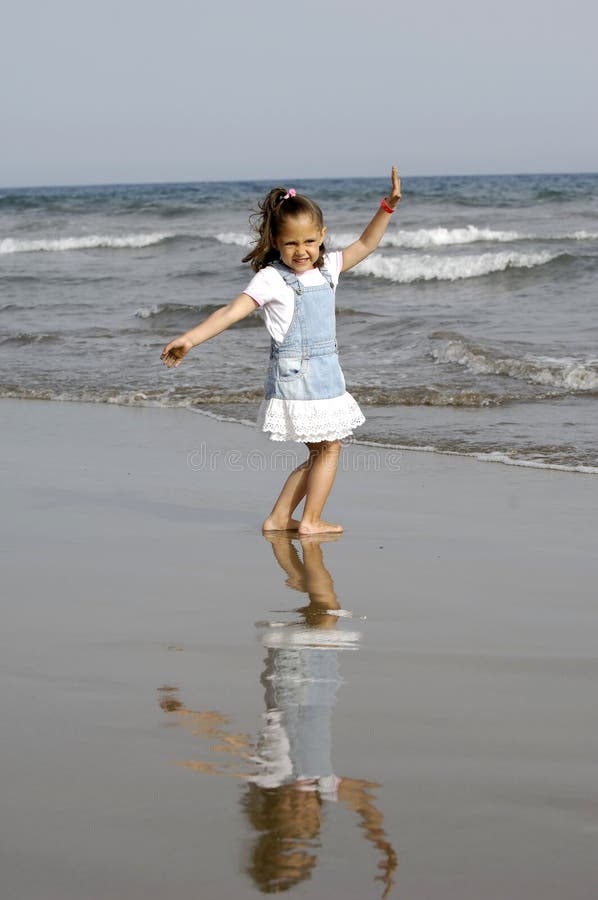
x=305 y=398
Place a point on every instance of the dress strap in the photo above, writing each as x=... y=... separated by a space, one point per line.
x=292 y=280
x=288 y=275
x=326 y=274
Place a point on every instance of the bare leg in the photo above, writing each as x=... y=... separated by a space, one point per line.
x=323 y=463
x=312 y=479
x=293 y=492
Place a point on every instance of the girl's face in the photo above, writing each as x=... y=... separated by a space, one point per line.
x=299 y=241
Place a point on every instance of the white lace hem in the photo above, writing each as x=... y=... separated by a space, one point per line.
x=310 y=421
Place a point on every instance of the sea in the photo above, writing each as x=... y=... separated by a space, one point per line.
x=473 y=329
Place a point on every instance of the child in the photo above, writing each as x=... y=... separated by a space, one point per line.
x=305 y=396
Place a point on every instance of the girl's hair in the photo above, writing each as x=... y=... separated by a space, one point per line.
x=267 y=222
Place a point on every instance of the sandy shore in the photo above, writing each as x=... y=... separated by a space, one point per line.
x=134 y=570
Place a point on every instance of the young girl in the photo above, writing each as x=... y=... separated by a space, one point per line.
x=305 y=395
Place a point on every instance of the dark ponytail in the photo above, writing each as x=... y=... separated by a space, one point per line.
x=278 y=205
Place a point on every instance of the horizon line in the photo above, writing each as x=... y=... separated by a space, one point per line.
x=144 y=183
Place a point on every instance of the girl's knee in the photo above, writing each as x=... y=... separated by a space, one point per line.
x=324 y=447
x=332 y=448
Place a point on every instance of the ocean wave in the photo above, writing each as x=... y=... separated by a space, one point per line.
x=186 y=398
x=25 y=337
x=235 y=237
x=206 y=398
x=435 y=237
x=427 y=395
x=564 y=373
x=578 y=236
x=88 y=242
x=422 y=238
x=163 y=309
x=407 y=269
x=160 y=311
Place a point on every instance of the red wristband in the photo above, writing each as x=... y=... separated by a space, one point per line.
x=385 y=206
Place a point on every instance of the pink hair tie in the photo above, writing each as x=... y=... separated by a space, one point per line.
x=290 y=193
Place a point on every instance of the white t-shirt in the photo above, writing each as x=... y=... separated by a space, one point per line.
x=271 y=292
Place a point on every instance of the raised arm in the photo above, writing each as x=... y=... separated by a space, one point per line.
x=218 y=321
x=374 y=232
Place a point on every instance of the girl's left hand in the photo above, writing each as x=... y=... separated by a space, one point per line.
x=394 y=198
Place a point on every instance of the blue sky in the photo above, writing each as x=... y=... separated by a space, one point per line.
x=145 y=91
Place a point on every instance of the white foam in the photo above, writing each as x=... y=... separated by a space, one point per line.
x=406 y=269
x=421 y=238
x=88 y=242
x=436 y=237
x=559 y=372
x=146 y=312
x=234 y=237
x=442 y=237
x=497 y=456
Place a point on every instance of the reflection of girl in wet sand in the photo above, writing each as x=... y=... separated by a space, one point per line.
x=293 y=777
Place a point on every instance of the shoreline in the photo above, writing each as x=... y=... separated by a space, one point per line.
x=496 y=456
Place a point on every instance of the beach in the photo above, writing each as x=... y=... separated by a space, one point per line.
x=141 y=600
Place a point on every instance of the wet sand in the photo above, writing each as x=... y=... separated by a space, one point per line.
x=136 y=686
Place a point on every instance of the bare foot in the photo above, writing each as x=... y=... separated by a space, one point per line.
x=306 y=529
x=273 y=524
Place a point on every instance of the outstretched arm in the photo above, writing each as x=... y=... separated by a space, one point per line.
x=218 y=321
x=374 y=232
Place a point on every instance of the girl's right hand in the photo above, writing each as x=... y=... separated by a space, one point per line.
x=395 y=191
x=173 y=353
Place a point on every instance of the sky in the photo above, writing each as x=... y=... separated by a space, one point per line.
x=145 y=91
